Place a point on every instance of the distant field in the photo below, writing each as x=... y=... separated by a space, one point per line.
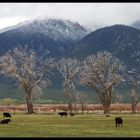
x=76 y=126
x=116 y=108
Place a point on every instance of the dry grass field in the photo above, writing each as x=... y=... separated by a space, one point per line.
x=55 y=108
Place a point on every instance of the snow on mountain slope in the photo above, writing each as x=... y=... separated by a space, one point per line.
x=56 y=29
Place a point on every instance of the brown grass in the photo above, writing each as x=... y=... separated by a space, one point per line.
x=55 y=108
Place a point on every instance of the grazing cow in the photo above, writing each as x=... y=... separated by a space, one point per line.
x=6 y=121
x=63 y=114
x=72 y=114
x=6 y=114
x=107 y=115
x=119 y=121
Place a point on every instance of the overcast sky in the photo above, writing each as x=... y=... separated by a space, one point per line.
x=89 y=14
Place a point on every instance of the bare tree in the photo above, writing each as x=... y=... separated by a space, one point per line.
x=102 y=72
x=82 y=100
x=69 y=69
x=28 y=69
x=133 y=96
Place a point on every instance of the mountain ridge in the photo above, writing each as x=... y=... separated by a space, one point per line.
x=121 y=40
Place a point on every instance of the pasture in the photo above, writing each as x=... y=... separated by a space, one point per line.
x=93 y=125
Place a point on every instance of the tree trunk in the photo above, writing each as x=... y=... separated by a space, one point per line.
x=30 y=107
x=106 y=107
x=105 y=98
x=29 y=104
x=83 y=108
x=75 y=107
x=133 y=109
x=70 y=106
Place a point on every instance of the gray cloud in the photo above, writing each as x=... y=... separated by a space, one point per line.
x=89 y=14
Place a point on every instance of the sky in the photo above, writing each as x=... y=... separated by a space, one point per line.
x=87 y=14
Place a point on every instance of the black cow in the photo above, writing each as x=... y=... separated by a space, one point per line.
x=63 y=114
x=119 y=121
x=72 y=114
x=6 y=114
x=107 y=115
x=6 y=121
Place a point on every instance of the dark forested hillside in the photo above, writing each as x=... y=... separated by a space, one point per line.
x=122 y=41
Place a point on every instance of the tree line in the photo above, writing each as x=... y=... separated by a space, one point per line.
x=100 y=72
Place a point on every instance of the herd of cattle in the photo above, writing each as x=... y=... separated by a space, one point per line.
x=6 y=121
x=118 y=120
x=65 y=114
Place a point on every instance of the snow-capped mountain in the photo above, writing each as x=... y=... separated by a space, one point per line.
x=56 y=29
x=53 y=35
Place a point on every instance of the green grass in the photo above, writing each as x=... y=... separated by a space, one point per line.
x=77 y=126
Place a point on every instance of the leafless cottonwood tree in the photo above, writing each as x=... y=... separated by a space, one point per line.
x=28 y=69
x=82 y=100
x=102 y=72
x=133 y=96
x=69 y=69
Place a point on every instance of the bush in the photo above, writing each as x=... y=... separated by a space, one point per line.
x=9 y=101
